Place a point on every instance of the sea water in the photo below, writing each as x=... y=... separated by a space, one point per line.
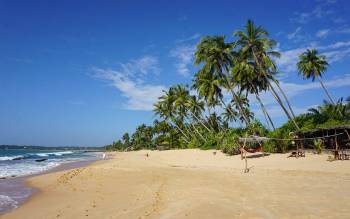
x=16 y=163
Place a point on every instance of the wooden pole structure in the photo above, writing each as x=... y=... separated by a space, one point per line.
x=245 y=155
x=347 y=133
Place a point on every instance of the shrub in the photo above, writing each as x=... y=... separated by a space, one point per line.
x=229 y=144
x=318 y=145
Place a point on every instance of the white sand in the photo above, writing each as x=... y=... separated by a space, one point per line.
x=194 y=184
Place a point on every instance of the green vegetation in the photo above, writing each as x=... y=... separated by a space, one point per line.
x=214 y=111
x=318 y=144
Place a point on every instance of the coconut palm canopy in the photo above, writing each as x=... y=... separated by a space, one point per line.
x=98 y=71
x=215 y=110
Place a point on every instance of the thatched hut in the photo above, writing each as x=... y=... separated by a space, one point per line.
x=335 y=139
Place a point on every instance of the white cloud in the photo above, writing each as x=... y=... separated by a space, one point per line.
x=334 y=52
x=321 y=10
x=190 y=38
x=289 y=58
x=294 y=34
x=292 y=90
x=322 y=33
x=345 y=29
x=128 y=79
x=141 y=66
x=337 y=55
x=184 y=58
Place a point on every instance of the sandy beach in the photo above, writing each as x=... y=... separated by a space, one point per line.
x=193 y=184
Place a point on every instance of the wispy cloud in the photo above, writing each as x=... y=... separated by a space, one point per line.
x=293 y=90
x=128 y=79
x=322 y=33
x=184 y=58
x=190 y=38
x=334 y=52
x=321 y=10
x=294 y=34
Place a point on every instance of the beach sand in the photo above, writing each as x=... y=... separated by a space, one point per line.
x=193 y=184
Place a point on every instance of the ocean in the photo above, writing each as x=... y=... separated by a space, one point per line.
x=15 y=164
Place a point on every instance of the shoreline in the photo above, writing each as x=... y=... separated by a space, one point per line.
x=21 y=183
x=192 y=184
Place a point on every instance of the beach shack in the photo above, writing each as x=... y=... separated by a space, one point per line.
x=335 y=139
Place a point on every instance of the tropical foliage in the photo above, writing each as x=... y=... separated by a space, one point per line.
x=215 y=110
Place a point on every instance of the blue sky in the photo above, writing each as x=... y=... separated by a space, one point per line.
x=85 y=72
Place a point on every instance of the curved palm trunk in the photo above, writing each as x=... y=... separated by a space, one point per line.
x=200 y=121
x=187 y=138
x=274 y=93
x=196 y=130
x=285 y=97
x=327 y=93
x=263 y=108
x=283 y=107
x=188 y=128
x=240 y=108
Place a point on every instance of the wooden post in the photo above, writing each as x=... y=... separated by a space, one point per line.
x=297 y=144
x=245 y=155
x=347 y=133
x=246 y=163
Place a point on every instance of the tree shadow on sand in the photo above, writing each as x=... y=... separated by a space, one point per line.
x=258 y=155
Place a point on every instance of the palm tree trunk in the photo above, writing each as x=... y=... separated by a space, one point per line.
x=285 y=97
x=187 y=138
x=274 y=93
x=240 y=109
x=263 y=108
x=196 y=130
x=324 y=88
x=282 y=105
x=200 y=121
x=188 y=128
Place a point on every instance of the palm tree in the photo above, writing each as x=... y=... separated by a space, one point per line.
x=126 y=139
x=195 y=107
x=208 y=87
x=229 y=114
x=246 y=74
x=311 y=65
x=165 y=109
x=181 y=99
x=216 y=57
x=258 y=48
x=243 y=102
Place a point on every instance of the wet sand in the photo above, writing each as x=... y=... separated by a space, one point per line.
x=193 y=184
x=19 y=191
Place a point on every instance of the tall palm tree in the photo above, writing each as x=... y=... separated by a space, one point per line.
x=208 y=87
x=243 y=102
x=229 y=114
x=216 y=57
x=181 y=99
x=196 y=107
x=165 y=109
x=254 y=42
x=246 y=74
x=311 y=65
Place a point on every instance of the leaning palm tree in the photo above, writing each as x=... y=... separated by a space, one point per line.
x=247 y=75
x=182 y=99
x=216 y=57
x=208 y=87
x=196 y=107
x=257 y=47
x=229 y=114
x=164 y=108
x=243 y=101
x=311 y=65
